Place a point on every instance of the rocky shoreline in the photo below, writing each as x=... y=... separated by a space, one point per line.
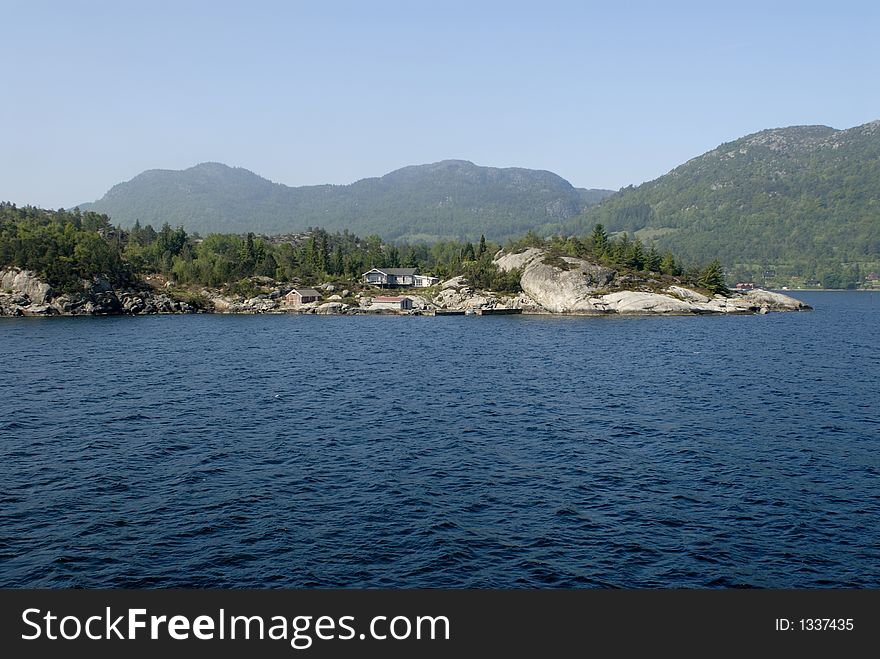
x=568 y=285
x=564 y=285
x=22 y=293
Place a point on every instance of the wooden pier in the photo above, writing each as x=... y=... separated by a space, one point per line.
x=497 y=312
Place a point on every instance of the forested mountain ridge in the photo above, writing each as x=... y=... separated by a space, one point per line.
x=806 y=198
x=443 y=200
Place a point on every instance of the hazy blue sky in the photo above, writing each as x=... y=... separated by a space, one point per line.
x=603 y=93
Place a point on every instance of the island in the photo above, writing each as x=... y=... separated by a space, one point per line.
x=70 y=263
x=548 y=285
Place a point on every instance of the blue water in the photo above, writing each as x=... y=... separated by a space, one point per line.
x=298 y=451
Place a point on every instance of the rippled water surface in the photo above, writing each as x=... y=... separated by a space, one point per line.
x=291 y=451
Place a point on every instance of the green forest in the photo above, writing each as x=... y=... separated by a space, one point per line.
x=69 y=247
x=796 y=205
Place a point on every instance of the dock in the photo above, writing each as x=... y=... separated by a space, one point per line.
x=476 y=312
x=497 y=312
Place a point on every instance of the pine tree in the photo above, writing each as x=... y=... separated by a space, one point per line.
x=652 y=259
x=712 y=278
x=668 y=266
x=599 y=240
x=247 y=257
x=394 y=257
x=635 y=256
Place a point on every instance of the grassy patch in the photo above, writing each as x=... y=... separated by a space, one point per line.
x=556 y=261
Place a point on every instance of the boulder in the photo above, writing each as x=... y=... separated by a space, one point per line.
x=332 y=308
x=105 y=304
x=637 y=302
x=68 y=305
x=686 y=294
x=449 y=298
x=728 y=305
x=561 y=285
x=456 y=282
x=39 y=310
x=221 y=304
x=8 y=307
x=518 y=261
x=26 y=282
x=165 y=304
x=101 y=285
x=564 y=284
x=521 y=301
x=420 y=302
x=478 y=302
x=774 y=301
x=259 y=304
x=132 y=303
x=565 y=290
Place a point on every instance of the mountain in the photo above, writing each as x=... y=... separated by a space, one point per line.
x=803 y=195
x=448 y=199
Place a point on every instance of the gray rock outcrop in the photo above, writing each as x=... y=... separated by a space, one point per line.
x=577 y=286
x=774 y=301
x=563 y=285
x=332 y=308
x=22 y=293
x=15 y=280
x=686 y=294
x=637 y=302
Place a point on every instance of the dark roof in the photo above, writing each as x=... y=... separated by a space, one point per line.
x=389 y=298
x=306 y=292
x=397 y=272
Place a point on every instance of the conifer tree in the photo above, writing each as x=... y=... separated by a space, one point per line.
x=652 y=259
x=668 y=266
x=599 y=240
x=712 y=278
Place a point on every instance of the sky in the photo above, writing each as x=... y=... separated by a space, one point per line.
x=605 y=94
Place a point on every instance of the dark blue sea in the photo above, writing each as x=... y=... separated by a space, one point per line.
x=517 y=451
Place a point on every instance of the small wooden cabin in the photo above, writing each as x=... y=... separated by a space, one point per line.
x=300 y=296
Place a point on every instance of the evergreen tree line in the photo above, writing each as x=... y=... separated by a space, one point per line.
x=626 y=254
x=67 y=247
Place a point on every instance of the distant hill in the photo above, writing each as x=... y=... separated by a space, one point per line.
x=448 y=199
x=802 y=195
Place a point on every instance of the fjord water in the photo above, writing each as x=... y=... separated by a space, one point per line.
x=297 y=451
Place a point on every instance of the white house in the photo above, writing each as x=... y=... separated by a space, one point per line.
x=423 y=281
x=398 y=277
